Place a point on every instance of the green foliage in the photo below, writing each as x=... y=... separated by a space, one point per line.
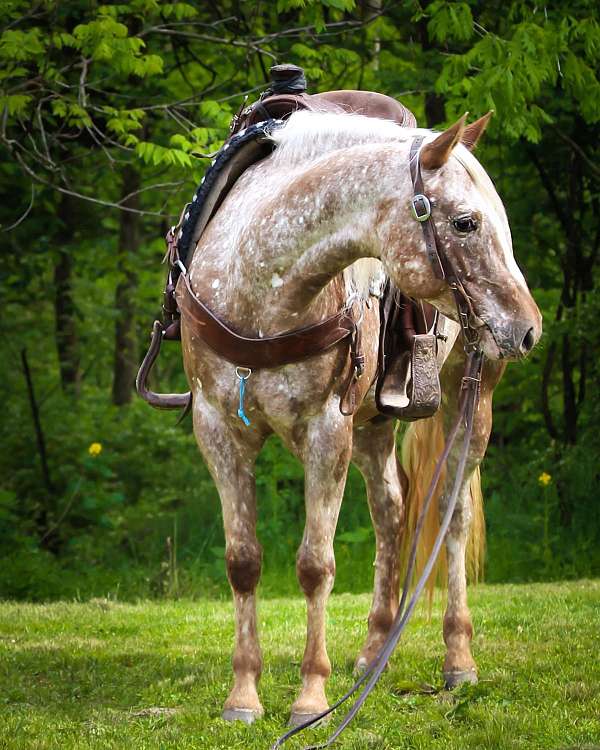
x=511 y=70
x=87 y=90
x=449 y=20
x=105 y=674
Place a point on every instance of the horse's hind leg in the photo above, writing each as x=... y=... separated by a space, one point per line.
x=326 y=453
x=459 y=665
x=231 y=462
x=374 y=452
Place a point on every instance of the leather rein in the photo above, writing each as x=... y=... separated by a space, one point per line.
x=468 y=402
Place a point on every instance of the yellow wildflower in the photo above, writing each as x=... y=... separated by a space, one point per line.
x=544 y=479
x=95 y=449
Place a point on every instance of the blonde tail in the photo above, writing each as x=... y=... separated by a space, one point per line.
x=423 y=443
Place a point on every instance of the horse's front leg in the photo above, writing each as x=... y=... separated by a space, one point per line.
x=230 y=454
x=459 y=665
x=326 y=451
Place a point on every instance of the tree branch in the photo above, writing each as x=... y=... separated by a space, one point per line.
x=576 y=147
x=35 y=413
x=549 y=187
x=25 y=215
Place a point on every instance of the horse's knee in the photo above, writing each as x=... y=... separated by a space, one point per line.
x=314 y=567
x=381 y=618
x=244 y=561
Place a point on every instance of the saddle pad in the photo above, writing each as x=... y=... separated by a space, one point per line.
x=244 y=149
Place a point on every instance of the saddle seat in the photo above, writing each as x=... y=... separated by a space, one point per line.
x=366 y=103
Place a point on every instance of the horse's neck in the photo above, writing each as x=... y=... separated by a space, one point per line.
x=274 y=255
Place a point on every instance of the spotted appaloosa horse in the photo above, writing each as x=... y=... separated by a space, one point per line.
x=311 y=228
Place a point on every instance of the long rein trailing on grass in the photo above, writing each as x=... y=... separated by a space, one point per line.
x=467 y=408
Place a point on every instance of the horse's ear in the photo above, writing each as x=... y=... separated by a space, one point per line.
x=437 y=152
x=473 y=132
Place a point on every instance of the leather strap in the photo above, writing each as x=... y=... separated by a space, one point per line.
x=348 y=402
x=159 y=400
x=442 y=266
x=423 y=208
x=270 y=351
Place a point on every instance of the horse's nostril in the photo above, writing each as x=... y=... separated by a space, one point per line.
x=528 y=342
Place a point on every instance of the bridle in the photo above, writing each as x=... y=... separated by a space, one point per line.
x=468 y=401
x=441 y=264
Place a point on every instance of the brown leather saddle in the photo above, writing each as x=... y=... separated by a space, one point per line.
x=407 y=383
x=366 y=103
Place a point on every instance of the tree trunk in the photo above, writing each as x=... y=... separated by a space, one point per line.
x=129 y=242
x=67 y=340
x=435 y=108
x=569 y=397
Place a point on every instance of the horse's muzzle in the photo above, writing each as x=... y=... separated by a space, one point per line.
x=510 y=339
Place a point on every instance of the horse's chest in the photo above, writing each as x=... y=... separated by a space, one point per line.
x=273 y=398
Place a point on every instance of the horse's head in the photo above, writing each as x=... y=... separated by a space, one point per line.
x=473 y=233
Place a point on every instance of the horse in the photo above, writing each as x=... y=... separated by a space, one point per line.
x=316 y=227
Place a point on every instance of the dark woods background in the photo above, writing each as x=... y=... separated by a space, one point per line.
x=105 y=111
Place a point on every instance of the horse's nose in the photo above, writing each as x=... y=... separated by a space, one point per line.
x=527 y=343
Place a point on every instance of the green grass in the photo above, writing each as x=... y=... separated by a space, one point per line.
x=104 y=674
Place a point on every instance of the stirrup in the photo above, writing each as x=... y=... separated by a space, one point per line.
x=409 y=389
x=159 y=400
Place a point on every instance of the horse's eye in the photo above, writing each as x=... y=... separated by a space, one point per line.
x=464 y=224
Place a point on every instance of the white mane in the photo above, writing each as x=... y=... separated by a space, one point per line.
x=309 y=135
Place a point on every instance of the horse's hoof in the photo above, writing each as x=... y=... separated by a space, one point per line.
x=297 y=719
x=454 y=679
x=247 y=715
x=360 y=666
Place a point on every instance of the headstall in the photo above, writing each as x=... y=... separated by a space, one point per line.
x=442 y=267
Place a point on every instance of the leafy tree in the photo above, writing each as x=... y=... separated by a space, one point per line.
x=108 y=111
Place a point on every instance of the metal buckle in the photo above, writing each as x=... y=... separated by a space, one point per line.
x=425 y=207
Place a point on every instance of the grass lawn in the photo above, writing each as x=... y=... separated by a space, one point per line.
x=105 y=674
